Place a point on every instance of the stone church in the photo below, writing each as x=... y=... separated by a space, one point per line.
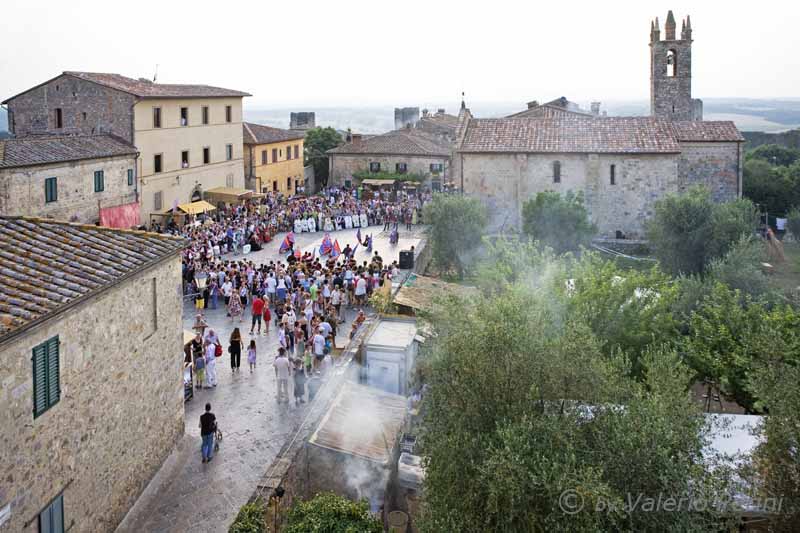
x=621 y=165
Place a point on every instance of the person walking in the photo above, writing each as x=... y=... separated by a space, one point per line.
x=258 y=310
x=211 y=365
x=235 y=307
x=283 y=371
x=267 y=318
x=235 y=349
x=299 y=383
x=251 y=355
x=208 y=426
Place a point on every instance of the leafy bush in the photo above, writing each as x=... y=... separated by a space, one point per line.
x=793 y=223
x=250 y=519
x=457 y=224
x=330 y=513
x=411 y=176
x=560 y=222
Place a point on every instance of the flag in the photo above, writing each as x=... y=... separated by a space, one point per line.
x=336 y=251
x=313 y=254
x=287 y=244
x=368 y=240
x=326 y=246
x=297 y=254
x=358 y=235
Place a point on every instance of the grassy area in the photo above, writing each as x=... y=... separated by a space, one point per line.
x=787 y=275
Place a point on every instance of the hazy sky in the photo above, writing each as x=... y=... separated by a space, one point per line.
x=351 y=52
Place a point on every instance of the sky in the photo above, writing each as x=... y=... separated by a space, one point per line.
x=415 y=53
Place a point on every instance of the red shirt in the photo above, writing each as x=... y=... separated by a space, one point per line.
x=258 y=306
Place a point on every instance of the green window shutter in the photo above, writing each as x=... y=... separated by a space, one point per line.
x=53 y=372
x=39 y=380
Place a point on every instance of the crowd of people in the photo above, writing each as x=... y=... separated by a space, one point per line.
x=306 y=299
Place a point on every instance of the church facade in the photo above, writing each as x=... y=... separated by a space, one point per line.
x=621 y=165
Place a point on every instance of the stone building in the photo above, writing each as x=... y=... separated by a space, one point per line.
x=189 y=137
x=404 y=151
x=83 y=178
x=273 y=159
x=405 y=117
x=303 y=120
x=440 y=124
x=92 y=391
x=621 y=165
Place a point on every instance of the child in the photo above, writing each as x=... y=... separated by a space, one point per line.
x=200 y=370
x=251 y=355
x=299 y=383
x=267 y=317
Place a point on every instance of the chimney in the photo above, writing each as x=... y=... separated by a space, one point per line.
x=356 y=139
x=532 y=104
x=424 y=113
x=596 y=109
x=440 y=111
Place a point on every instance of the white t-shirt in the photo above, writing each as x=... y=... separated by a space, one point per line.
x=283 y=367
x=361 y=287
x=319 y=344
x=271 y=283
x=227 y=288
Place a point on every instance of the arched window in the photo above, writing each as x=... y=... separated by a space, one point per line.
x=556 y=171
x=672 y=63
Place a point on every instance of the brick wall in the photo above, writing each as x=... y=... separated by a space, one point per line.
x=120 y=411
x=85 y=108
x=22 y=189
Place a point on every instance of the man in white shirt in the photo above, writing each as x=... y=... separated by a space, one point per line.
x=283 y=371
x=361 y=290
x=319 y=347
x=271 y=285
x=227 y=290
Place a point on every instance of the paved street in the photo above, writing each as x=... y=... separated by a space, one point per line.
x=187 y=495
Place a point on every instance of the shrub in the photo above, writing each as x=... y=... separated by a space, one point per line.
x=250 y=519
x=330 y=513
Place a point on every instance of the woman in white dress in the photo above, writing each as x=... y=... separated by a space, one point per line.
x=211 y=365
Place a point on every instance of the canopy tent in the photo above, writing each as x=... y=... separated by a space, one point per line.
x=187 y=337
x=377 y=182
x=194 y=208
x=228 y=194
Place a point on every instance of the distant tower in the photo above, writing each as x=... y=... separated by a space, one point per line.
x=405 y=117
x=671 y=72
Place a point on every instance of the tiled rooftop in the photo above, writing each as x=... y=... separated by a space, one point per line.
x=146 y=88
x=407 y=141
x=46 y=149
x=47 y=265
x=260 y=134
x=570 y=135
x=708 y=131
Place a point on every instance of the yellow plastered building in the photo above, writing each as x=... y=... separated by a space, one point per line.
x=273 y=159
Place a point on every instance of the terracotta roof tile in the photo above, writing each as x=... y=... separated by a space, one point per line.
x=147 y=89
x=45 y=149
x=399 y=142
x=46 y=266
x=260 y=134
x=708 y=131
x=570 y=135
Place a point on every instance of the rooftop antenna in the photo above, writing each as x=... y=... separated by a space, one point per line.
x=155 y=76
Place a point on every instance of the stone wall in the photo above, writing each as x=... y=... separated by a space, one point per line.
x=717 y=166
x=85 y=108
x=344 y=166
x=120 y=411
x=22 y=189
x=505 y=181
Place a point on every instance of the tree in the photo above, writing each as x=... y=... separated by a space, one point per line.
x=523 y=407
x=774 y=154
x=330 y=513
x=318 y=141
x=770 y=187
x=687 y=231
x=457 y=224
x=793 y=223
x=560 y=222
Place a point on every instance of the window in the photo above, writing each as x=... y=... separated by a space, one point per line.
x=206 y=155
x=184 y=116
x=156 y=117
x=436 y=186
x=401 y=168
x=228 y=113
x=275 y=185
x=228 y=152
x=46 y=386
x=157 y=201
x=99 y=181
x=84 y=116
x=374 y=167
x=297 y=151
x=274 y=155
x=289 y=184
x=557 y=172
x=288 y=153
x=185 y=159
x=612 y=174
x=263 y=157
x=205 y=114
x=157 y=163
x=229 y=180
x=59 y=121
x=672 y=63
x=51 y=519
x=130 y=177
x=437 y=168
x=50 y=190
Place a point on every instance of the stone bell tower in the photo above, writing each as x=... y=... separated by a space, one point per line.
x=671 y=72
